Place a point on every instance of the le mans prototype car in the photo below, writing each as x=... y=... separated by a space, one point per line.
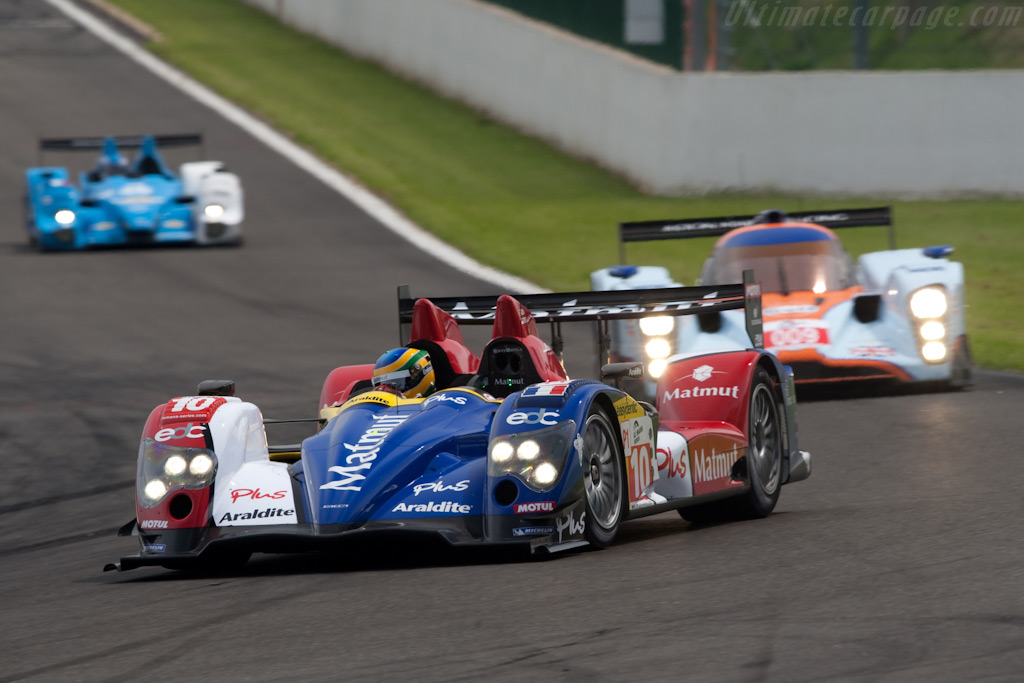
x=509 y=450
x=119 y=202
x=897 y=316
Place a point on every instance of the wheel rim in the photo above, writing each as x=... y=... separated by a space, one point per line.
x=764 y=439
x=601 y=475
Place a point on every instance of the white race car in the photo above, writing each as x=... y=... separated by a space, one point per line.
x=894 y=316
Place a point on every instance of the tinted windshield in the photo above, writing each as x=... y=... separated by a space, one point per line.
x=784 y=268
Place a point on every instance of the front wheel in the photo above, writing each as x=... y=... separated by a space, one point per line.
x=603 y=480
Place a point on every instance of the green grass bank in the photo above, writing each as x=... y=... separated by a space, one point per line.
x=512 y=201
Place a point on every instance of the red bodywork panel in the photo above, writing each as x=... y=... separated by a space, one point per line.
x=180 y=422
x=512 y=319
x=430 y=323
x=695 y=389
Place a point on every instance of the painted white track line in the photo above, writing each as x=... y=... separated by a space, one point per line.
x=374 y=206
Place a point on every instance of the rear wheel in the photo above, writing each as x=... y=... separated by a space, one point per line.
x=764 y=461
x=603 y=480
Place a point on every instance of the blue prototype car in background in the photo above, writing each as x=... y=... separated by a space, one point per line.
x=118 y=202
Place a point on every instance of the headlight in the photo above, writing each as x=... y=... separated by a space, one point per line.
x=929 y=302
x=536 y=458
x=164 y=468
x=657 y=325
x=64 y=217
x=933 y=351
x=155 y=490
x=175 y=465
x=658 y=348
x=933 y=330
x=213 y=211
x=201 y=465
x=657 y=367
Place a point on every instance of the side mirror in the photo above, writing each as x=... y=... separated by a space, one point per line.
x=216 y=387
x=621 y=371
x=866 y=307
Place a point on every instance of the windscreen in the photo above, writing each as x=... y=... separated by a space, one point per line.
x=818 y=266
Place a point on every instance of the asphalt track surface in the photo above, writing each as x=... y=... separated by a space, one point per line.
x=900 y=559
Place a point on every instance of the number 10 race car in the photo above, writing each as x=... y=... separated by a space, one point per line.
x=507 y=451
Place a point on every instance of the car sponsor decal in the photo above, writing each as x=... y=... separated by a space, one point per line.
x=363 y=453
x=439 y=486
x=446 y=507
x=533 y=531
x=153 y=524
x=791 y=309
x=626 y=409
x=256 y=494
x=446 y=398
x=795 y=334
x=704 y=372
x=570 y=527
x=539 y=506
x=873 y=351
x=638 y=446
x=192 y=408
x=712 y=457
x=153 y=547
x=190 y=430
x=260 y=515
x=533 y=417
x=701 y=392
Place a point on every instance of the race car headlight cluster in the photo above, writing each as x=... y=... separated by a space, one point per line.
x=537 y=458
x=928 y=305
x=213 y=211
x=164 y=469
x=64 y=217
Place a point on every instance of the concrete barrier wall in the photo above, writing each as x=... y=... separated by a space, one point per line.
x=910 y=134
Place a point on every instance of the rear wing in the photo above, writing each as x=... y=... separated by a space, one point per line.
x=603 y=306
x=86 y=144
x=644 y=231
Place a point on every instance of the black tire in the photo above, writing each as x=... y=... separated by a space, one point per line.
x=764 y=461
x=604 y=480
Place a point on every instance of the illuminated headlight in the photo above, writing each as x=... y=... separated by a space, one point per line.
x=545 y=473
x=658 y=348
x=501 y=451
x=213 y=211
x=929 y=302
x=933 y=351
x=536 y=458
x=201 y=465
x=933 y=330
x=175 y=465
x=64 y=217
x=528 y=450
x=155 y=490
x=657 y=367
x=657 y=325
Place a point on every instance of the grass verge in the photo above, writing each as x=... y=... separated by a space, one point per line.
x=512 y=201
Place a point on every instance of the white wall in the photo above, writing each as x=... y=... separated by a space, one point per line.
x=913 y=134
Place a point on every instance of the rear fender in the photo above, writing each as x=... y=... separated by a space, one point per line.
x=708 y=388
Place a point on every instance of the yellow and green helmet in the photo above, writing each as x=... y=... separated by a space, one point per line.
x=407 y=371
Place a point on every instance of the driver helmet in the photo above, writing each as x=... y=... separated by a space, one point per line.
x=405 y=371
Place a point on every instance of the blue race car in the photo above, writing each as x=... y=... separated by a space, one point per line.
x=502 y=449
x=118 y=202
